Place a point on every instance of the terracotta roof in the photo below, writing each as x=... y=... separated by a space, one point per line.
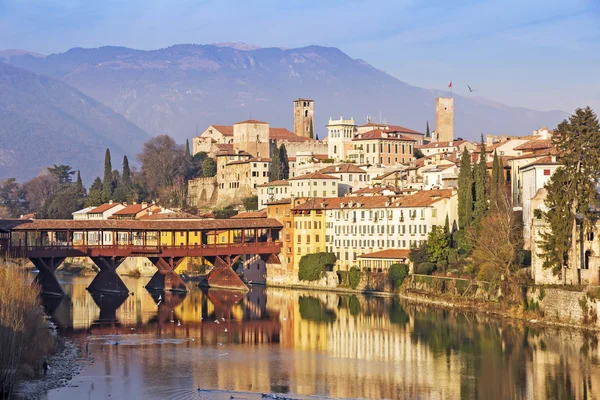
x=284 y=134
x=386 y=175
x=391 y=128
x=395 y=254
x=250 y=214
x=116 y=224
x=280 y=201
x=224 y=146
x=535 y=145
x=422 y=198
x=171 y=215
x=132 y=209
x=226 y=130
x=251 y=121
x=233 y=153
x=27 y=216
x=102 y=208
x=280 y=182
x=379 y=134
x=343 y=169
x=321 y=156
x=435 y=145
x=376 y=190
x=314 y=175
x=542 y=161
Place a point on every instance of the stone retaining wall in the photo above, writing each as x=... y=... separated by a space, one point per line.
x=566 y=306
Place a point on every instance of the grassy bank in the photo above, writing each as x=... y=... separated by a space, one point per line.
x=25 y=338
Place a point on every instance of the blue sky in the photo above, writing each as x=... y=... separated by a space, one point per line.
x=538 y=54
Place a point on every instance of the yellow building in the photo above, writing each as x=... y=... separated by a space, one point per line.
x=309 y=228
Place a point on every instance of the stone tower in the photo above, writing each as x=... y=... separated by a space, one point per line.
x=444 y=119
x=303 y=116
x=252 y=136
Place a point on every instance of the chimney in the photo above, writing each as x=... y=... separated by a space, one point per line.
x=504 y=138
x=149 y=212
x=144 y=204
x=110 y=202
x=488 y=140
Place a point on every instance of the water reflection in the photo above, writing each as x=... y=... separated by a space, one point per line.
x=313 y=343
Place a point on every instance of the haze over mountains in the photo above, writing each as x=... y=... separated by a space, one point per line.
x=176 y=89
x=45 y=122
x=171 y=90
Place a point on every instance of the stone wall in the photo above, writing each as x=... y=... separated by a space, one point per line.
x=202 y=192
x=312 y=146
x=566 y=306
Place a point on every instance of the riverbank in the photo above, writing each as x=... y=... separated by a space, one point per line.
x=63 y=365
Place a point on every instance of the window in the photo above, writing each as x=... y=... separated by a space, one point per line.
x=546 y=172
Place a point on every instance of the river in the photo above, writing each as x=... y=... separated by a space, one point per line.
x=223 y=344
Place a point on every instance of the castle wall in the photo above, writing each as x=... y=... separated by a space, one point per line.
x=444 y=119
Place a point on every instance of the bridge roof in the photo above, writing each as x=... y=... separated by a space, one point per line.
x=138 y=225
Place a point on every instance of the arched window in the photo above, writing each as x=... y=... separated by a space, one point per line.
x=335 y=149
x=306 y=113
x=588 y=255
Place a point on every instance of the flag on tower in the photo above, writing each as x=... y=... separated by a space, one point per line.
x=450 y=85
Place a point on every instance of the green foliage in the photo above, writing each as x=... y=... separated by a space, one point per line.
x=543 y=293
x=225 y=213
x=95 y=196
x=62 y=173
x=63 y=203
x=126 y=176
x=425 y=268
x=209 y=167
x=250 y=203
x=397 y=314
x=275 y=167
x=427 y=131
x=312 y=309
x=13 y=198
x=188 y=153
x=312 y=130
x=354 y=277
x=418 y=254
x=284 y=161
x=354 y=305
x=194 y=169
x=480 y=172
x=494 y=189
x=397 y=274
x=312 y=266
x=107 y=188
x=438 y=246
x=572 y=188
x=465 y=191
x=418 y=153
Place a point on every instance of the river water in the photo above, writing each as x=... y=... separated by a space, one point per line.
x=310 y=344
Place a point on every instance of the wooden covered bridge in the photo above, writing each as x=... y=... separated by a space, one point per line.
x=164 y=242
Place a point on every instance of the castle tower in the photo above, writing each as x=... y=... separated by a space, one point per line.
x=252 y=136
x=444 y=119
x=339 y=138
x=303 y=117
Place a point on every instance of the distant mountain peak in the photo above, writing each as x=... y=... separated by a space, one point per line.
x=8 y=53
x=238 y=45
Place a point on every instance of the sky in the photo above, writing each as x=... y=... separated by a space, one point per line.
x=538 y=54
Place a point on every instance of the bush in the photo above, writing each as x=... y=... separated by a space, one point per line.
x=250 y=203
x=225 y=213
x=354 y=277
x=397 y=274
x=312 y=266
x=312 y=309
x=426 y=268
x=354 y=305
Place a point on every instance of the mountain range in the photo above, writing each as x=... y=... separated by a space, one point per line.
x=114 y=95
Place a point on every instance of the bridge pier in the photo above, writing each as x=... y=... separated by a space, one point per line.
x=46 y=278
x=166 y=278
x=107 y=279
x=222 y=275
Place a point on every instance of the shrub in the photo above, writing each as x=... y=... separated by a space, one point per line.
x=354 y=277
x=250 y=203
x=426 y=268
x=397 y=274
x=312 y=266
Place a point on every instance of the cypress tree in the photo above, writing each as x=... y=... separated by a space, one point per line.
x=480 y=173
x=108 y=175
x=79 y=181
x=465 y=191
x=312 y=131
x=427 y=132
x=275 y=167
x=126 y=177
x=447 y=225
x=187 y=148
x=494 y=184
x=284 y=163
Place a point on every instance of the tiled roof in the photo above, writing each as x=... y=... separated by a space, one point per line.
x=251 y=214
x=535 y=145
x=227 y=147
x=280 y=182
x=280 y=201
x=376 y=190
x=314 y=175
x=132 y=209
x=379 y=177
x=171 y=215
x=102 y=208
x=343 y=168
x=116 y=224
x=391 y=128
x=542 y=161
x=422 y=198
x=284 y=134
x=251 y=121
x=435 y=145
x=226 y=130
x=379 y=134
x=395 y=254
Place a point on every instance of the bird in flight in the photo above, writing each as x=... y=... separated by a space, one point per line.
x=471 y=90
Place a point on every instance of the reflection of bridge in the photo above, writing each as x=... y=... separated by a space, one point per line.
x=165 y=243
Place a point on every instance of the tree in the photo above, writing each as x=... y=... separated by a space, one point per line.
x=418 y=153
x=397 y=273
x=188 y=153
x=63 y=203
x=572 y=188
x=480 y=184
x=312 y=266
x=209 y=167
x=162 y=160
x=195 y=165
x=418 y=254
x=39 y=189
x=62 y=173
x=225 y=213
x=284 y=162
x=95 y=196
x=312 y=130
x=465 y=191
x=107 y=189
x=275 y=167
x=79 y=182
x=427 y=132
x=250 y=203
x=495 y=188
x=126 y=176
x=12 y=198
x=438 y=246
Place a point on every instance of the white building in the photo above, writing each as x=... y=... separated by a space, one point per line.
x=272 y=191
x=316 y=184
x=352 y=177
x=339 y=138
